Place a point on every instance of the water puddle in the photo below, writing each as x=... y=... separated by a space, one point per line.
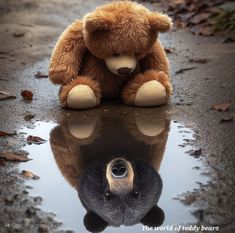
x=105 y=165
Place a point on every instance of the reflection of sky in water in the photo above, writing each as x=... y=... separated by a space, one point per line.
x=58 y=197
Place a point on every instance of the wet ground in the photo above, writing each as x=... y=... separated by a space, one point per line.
x=195 y=91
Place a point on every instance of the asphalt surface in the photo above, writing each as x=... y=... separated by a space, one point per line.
x=195 y=91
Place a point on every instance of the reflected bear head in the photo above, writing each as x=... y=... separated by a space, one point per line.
x=121 y=193
x=113 y=161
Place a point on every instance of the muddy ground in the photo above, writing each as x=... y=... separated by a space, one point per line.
x=29 y=30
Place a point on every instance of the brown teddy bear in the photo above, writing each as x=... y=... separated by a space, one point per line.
x=113 y=52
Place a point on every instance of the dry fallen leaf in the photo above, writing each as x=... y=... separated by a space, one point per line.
x=184 y=69
x=29 y=174
x=202 y=30
x=169 y=50
x=35 y=140
x=226 y=119
x=222 y=107
x=228 y=39
x=27 y=95
x=197 y=19
x=195 y=152
x=39 y=74
x=6 y=95
x=206 y=31
x=188 y=200
x=29 y=117
x=2 y=163
x=198 y=60
x=3 y=134
x=11 y=156
x=200 y=16
x=179 y=24
x=18 y=34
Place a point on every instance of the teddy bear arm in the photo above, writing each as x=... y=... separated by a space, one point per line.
x=155 y=60
x=80 y=93
x=151 y=88
x=67 y=55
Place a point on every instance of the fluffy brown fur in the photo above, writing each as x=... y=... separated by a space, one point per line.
x=67 y=148
x=121 y=27
x=93 y=84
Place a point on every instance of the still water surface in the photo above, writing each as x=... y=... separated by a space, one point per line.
x=81 y=139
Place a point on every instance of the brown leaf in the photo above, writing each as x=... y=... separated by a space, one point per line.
x=206 y=31
x=196 y=153
x=6 y=95
x=222 y=107
x=188 y=200
x=169 y=50
x=187 y=16
x=27 y=95
x=2 y=163
x=3 y=134
x=226 y=119
x=29 y=174
x=39 y=74
x=18 y=34
x=198 y=60
x=179 y=24
x=228 y=39
x=3 y=52
x=29 y=117
x=199 y=18
x=184 y=69
x=178 y=6
x=35 y=140
x=11 y=156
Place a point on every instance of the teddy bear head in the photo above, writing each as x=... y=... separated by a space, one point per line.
x=123 y=32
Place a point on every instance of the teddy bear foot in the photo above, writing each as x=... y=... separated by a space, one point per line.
x=81 y=97
x=151 y=93
x=150 y=127
x=82 y=128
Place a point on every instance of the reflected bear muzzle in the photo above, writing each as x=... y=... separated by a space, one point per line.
x=119 y=169
x=120 y=176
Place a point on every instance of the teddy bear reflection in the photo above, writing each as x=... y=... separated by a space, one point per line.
x=113 y=162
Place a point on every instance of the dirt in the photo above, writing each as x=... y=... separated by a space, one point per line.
x=29 y=30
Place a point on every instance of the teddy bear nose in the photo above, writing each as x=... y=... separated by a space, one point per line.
x=124 y=71
x=119 y=169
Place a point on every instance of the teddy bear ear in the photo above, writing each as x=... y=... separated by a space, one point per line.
x=160 y=22
x=94 y=223
x=154 y=218
x=98 y=21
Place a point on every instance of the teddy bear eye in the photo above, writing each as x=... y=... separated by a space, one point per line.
x=135 y=193
x=116 y=54
x=108 y=195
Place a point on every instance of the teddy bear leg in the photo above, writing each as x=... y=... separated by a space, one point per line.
x=81 y=93
x=150 y=88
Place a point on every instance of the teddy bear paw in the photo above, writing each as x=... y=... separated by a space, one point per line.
x=82 y=128
x=81 y=97
x=150 y=127
x=151 y=93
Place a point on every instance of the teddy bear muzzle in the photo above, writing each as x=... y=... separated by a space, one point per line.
x=120 y=176
x=121 y=65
